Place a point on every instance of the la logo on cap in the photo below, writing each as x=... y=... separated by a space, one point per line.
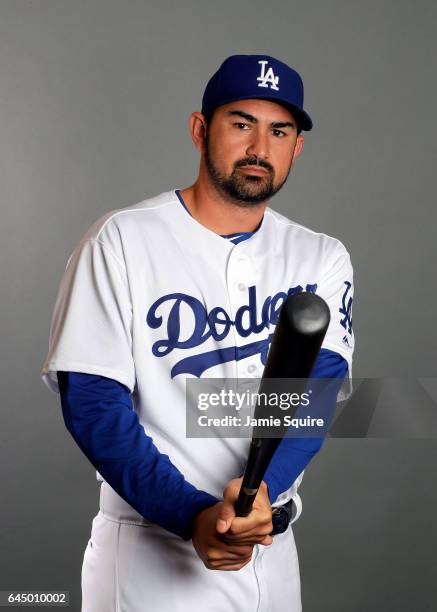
x=267 y=79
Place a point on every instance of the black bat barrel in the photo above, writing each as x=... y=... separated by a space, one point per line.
x=302 y=325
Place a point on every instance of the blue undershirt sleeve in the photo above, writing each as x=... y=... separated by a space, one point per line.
x=99 y=414
x=294 y=454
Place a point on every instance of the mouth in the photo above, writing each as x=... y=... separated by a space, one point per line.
x=255 y=170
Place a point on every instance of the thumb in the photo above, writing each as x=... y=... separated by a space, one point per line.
x=225 y=516
x=267 y=540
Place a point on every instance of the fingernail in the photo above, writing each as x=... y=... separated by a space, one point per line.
x=222 y=524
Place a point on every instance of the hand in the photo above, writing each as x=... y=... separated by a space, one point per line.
x=252 y=529
x=212 y=550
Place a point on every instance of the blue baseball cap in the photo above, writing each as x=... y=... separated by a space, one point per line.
x=243 y=77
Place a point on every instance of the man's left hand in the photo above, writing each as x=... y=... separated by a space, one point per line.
x=252 y=529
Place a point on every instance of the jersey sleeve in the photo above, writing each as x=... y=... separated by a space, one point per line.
x=99 y=414
x=285 y=471
x=90 y=330
x=337 y=289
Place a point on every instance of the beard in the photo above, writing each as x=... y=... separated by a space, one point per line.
x=242 y=189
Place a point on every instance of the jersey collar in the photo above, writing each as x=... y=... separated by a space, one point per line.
x=235 y=238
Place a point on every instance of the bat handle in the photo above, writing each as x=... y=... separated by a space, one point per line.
x=244 y=503
x=257 y=464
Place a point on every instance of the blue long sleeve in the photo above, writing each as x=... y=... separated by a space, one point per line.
x=98 y=413
x=294 y=454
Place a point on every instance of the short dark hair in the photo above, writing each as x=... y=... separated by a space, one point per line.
x=208 y=116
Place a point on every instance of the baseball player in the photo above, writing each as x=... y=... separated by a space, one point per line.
x=189 y=284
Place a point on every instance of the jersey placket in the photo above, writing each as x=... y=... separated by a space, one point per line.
x=240 y=276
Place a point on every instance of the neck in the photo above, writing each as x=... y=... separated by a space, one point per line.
x=219 y=215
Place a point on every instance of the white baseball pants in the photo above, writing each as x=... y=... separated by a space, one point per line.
x=131 y=565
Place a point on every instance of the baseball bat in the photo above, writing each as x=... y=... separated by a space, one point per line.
x=303 y=321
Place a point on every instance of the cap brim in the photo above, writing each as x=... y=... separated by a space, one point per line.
x=303 y=119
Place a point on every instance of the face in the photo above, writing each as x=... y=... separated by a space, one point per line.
x=249 y=148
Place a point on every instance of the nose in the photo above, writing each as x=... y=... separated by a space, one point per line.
x=259 y=144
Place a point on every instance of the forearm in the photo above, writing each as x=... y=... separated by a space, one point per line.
x=295 y=453
x=98 y=413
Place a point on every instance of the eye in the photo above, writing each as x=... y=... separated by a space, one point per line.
x=241 y=126
x=279 y=133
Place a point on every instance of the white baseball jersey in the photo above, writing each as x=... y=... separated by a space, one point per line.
x=150 y=297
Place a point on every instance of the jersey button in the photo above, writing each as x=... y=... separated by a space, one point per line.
x=241 y=286
x=251 y=369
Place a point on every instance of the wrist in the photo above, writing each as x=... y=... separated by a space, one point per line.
x=197 y=512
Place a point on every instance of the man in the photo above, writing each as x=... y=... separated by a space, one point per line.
x=189 y=284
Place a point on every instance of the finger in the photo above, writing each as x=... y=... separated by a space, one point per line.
x=254 y=537
x=255 y=520
x=231 y=566
x=259 y=532
x=246 y=542
x=230 y=551
x=225 y=516
x=230 y=556
x=242 y=525
x=229 y=560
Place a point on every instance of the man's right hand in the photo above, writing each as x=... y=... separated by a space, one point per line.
x=207 y=542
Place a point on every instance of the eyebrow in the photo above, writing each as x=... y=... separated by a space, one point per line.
x=252 y=119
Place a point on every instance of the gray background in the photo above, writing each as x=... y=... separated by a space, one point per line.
x=94 y=102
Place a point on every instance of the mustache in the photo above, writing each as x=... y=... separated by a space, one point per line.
x=254 y=161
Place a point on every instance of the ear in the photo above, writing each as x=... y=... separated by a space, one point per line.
x=298 y=148
x=197 y=127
